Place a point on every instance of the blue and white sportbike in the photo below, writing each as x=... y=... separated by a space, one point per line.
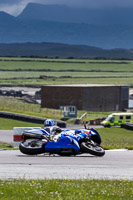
x=68 y=142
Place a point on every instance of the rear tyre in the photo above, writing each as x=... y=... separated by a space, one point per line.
x=31 y=147
x=92 y=148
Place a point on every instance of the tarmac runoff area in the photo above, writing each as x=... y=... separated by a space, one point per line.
x=116 y=164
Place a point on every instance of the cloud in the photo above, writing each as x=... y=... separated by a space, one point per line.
x=14 y=7
x=10 y=2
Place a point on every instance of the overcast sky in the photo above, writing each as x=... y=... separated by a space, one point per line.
x=14 y=7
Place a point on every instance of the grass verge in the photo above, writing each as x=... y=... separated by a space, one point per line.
x=7 y=146
x=9 y=124
x=116 y=138
x=66 y=189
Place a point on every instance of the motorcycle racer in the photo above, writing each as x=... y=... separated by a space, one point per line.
x=51 y=128
x=55 y=132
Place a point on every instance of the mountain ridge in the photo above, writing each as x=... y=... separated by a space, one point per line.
x=6 y=16
x=71 y=33
x=30 y=28
x=63 y=13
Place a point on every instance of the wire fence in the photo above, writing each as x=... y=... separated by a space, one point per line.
x=30 y=108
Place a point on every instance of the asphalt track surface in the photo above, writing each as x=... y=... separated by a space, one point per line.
x=116 y=164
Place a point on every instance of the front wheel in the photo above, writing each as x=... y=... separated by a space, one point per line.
x=31 y=147
x=92 y=148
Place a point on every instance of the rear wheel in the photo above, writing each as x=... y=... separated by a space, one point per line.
x=31 y=147
x=92 y=148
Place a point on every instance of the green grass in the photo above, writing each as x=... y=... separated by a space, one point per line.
x=116 y=138
x=26 y=71
x=6 y=146
x=66 y=190
x=36 y=82
x=9 y=124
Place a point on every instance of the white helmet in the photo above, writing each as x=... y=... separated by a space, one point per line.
x=49 y=122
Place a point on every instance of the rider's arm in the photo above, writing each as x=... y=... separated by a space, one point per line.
x=57 y=129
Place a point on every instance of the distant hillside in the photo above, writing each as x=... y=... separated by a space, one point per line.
x=22 y=30
x=112 y=28
x=62 y=51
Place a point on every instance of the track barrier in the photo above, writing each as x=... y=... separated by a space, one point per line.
x=93 y=122
x=18 y=134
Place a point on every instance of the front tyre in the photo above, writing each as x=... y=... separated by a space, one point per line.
x=92 y=148
x=31 y=147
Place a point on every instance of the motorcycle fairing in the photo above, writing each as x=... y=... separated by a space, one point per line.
x=72 y=134
x=95 y=136
x=92 y=133
x=64 y=142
